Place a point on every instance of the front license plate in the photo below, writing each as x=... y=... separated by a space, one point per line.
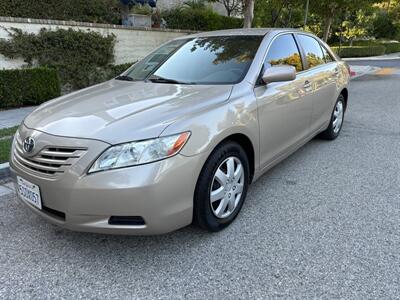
x=29 y=192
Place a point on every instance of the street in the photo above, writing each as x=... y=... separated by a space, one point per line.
x=324 y=223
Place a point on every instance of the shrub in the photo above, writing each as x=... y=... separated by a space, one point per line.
x=27 y=86
x=359 y=51
x=108 y=72
x=96 y=11
x=116 y=70
x=77 y=55
x=199 y=19
x=366 y=43
x=391 y=47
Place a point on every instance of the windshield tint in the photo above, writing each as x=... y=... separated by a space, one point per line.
x=207 y=60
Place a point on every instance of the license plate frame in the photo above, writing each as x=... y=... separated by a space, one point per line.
x=29 y=192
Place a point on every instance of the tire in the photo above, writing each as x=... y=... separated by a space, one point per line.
x=333 y=131
x=212 y=216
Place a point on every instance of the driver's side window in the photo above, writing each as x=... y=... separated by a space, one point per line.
x=283 y=51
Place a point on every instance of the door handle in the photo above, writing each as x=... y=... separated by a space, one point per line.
x=307 y=84
x=337 y=72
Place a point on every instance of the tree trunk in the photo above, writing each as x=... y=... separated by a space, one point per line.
x=289 y=17
x=327 y=28
x=227 y=6
x=249 y=13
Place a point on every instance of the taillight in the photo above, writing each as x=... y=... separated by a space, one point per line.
x=351 y=73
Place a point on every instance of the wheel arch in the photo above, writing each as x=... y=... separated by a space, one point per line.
x=245 y=142
x=345 y=94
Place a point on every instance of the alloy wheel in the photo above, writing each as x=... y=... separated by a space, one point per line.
x=227 y=187
x=338 y=117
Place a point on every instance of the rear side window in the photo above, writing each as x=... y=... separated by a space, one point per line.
x=312 y=49
x=327 y=56
x=283 y=51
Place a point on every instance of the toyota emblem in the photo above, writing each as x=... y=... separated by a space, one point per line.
x=29 y=144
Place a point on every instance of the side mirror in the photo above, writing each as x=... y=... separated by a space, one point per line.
x=279 y=73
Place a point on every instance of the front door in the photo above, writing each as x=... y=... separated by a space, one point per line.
x=284 y=110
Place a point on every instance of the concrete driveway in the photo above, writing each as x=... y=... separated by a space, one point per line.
x=325 y=223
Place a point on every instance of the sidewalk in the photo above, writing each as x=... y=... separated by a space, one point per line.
x=6 y=188
x=13 y=117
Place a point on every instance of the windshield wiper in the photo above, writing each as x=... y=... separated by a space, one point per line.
x=124 y=77
x=159 y=79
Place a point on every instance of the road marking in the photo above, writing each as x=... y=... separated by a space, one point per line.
x=386 y=71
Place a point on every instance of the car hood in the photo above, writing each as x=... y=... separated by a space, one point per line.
x=120 y=111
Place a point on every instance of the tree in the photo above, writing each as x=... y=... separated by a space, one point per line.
x=384 y=26
x=328 y=9
x=248 y=13
x=232 y=7
x=387 y=21
x=356 y=26
x=279 y=13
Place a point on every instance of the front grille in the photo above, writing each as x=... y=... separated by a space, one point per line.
x=50 y=161
x=126 y=220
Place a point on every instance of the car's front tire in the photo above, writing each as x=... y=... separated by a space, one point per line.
x=222 y=187
x=336 y=123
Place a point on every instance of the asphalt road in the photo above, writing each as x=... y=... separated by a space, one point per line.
x=325 y=224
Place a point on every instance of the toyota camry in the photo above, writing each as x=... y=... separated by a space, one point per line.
x=179 y=137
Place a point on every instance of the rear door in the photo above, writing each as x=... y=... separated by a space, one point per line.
x=284 y=110
x=321 y=73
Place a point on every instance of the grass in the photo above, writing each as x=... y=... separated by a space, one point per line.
x=5 y=148
x=8 y=131
x=6 y=135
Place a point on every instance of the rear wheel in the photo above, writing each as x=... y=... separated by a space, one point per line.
x=335 y=125
x=222 y=187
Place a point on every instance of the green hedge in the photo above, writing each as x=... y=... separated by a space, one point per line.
x=79 y=56
x=365 y=43
x=108 y=73
x=24 y=87
x=96 y=11
x=199 y=20
x=28 y=87
x=391 y=47
x=359 y=51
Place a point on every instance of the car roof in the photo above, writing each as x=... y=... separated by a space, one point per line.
x=240 y=31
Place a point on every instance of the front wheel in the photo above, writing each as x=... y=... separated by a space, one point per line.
x=335 y=125
x=222 y=187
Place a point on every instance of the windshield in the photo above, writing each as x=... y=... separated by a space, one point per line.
x=206 y=60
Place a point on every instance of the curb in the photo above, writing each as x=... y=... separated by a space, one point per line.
x=370 y=70
x=4 y=171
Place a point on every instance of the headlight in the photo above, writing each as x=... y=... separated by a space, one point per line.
x=138 y=153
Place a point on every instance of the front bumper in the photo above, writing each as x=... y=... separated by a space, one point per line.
x=161 y=193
